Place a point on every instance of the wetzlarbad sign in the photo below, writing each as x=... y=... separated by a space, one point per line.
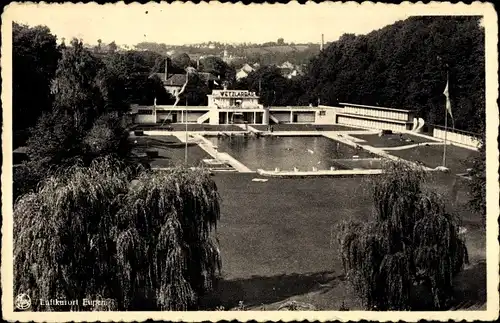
x=234 y=94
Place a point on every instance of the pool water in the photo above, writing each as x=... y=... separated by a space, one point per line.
x=304 y=152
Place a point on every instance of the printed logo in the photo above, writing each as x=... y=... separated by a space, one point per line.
x=23 y=302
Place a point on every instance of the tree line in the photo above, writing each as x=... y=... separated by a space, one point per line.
x=405 y=66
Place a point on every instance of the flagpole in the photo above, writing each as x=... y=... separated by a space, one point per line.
x=186 y=146
x=445 y=133
x=445 y=123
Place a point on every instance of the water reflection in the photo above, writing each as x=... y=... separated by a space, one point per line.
x=286 y=153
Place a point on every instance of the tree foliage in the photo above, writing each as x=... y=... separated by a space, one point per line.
x=478 y=174
x=182 y=61
x=134 y=78
x=404 y=66
x=85 y=122
x=411 y=240
x=216 y=66
x=274 y=89
x=89 y=232
x=34 y=63
x=76 y=86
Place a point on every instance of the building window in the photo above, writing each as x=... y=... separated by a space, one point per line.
x=322 y=113
x=144 y=112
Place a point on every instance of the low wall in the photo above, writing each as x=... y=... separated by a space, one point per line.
x=456 y=137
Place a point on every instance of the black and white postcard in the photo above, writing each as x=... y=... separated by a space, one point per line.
x=220 y=161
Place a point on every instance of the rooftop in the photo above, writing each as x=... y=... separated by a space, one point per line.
x=180 y=79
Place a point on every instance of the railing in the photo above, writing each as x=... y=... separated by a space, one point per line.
x=458 y=136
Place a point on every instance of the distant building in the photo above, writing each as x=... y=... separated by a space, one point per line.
x=247 y=68
x=287 y=65
x=174 y=82
x=366 y=116
x=244 y=71
x=241 y=75
x=228 y=58
x=233 y=107
x=290 y=70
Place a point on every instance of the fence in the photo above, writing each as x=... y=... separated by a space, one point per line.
x=457 y=136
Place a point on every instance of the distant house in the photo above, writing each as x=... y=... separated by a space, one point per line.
x=289 y=70
x=229 y=58
x=196 y=57
x=287 y=65
x=174 y=82
x=247 y=68
x=241 y=75
x=244 y=71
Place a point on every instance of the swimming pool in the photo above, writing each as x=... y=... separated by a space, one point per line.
x=303 y=152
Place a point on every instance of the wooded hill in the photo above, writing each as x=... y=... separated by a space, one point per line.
x=404 y=66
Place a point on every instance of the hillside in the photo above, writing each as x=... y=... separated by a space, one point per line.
x=404 y=65
x=252 y=53
x=278 y=49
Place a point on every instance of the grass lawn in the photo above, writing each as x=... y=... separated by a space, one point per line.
x=432 y=156
x=191 y=127
x=278 y=242
x=170 y=149
x=304 y=127
x=391 y=140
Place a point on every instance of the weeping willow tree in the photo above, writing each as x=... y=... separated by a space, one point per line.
x=166 y=247
x=63 y=233
x=103 y=232
x=410 y=241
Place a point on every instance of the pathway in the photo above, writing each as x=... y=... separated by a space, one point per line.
x=207 y=145
x=338 y=172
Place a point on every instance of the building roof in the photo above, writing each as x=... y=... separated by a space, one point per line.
x=287 y=65
x=241 y=74
x=180 y=79
x=247 y=68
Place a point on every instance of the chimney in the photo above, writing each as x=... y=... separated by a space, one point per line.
x=166 y=69
x=322 y=42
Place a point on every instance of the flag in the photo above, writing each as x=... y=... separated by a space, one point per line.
x=216 y=83
x=447 y=94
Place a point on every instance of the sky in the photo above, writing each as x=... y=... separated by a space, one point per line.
x=181 y=23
